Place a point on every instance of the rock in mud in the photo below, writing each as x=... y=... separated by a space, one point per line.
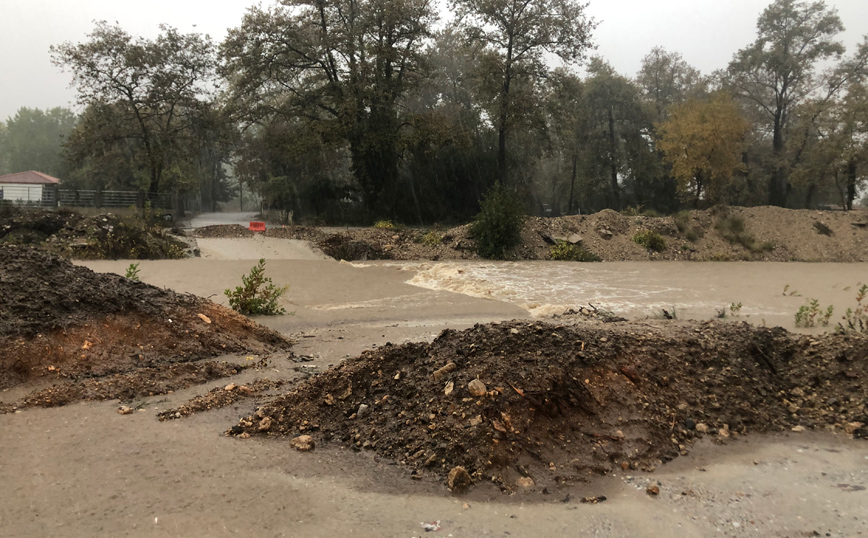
x=459 y=480
x=477 y=388
x=303 y=443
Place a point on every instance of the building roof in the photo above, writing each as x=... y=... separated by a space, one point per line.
x=29 y=178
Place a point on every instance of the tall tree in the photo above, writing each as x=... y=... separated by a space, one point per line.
x=518 y=34
x=779 y=70
x=666 y=79
x=703 y=141
x=33 y=140
x=345 y=64
x=156 y=87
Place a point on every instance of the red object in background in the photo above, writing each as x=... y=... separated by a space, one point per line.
x=257 y=226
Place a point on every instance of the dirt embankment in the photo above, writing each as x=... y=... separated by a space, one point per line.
x=70 y=234
x=757 y=233
x=63 y=322
x=537 y=404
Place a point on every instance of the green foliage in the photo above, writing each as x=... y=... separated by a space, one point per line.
x=497 y=227
x=258 y=295
x=856 y=319
x=33 y=140
x=133 y=272
x=733 y=229
x=735 y=308
x=569 y=252
x=384 y=225
x=810 y=314
x=650 y=240
x=430 y=239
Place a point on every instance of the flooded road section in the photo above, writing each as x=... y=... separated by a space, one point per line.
x=769 y=293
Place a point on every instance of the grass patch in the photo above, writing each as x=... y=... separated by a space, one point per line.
x=568 y=252
x=733 y=229
x=650 y=240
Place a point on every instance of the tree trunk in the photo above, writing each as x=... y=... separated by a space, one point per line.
x=616 y=189
x=778 y=181
x=851 y=183
x=573 y=184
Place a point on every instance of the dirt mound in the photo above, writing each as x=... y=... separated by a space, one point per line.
x=73 y=235
x=766 y=234
x=223 y=231
x=558 y=403
x=58 y=320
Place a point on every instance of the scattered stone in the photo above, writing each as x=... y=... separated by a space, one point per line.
x=265 y=424
x=229 y=387
x=525 y=482
x=593 y=500
x=303 y=443
x=362 y=411
x=447 y=390
x=690 y=424
x=702 y=428
x=653 y=490
x=851 y=427
x=798 y=429
x=458 y=480
x=477 y=388
x=723 y=432
x=124 y=410
x=450 y=367
x=205 y=318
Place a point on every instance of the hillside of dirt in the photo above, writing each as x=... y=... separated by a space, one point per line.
x=62 y=322
x=717 y=234
x=70 y=234
x=539 y=404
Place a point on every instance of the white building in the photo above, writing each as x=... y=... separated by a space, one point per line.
x=25 y=187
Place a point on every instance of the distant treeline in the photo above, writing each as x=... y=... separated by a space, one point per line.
x=355 y=110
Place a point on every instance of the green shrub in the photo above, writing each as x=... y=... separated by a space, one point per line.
x=856 y=319
x=650 y=240
x=133 y=272
x=568 y=252
x=733 y=229
x=497 y=227
x=258 y=296
x=810 y=314
x=430 y=239
x=384 y=225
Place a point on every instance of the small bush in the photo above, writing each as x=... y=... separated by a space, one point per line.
x=258 y=296
x=568 y=252
x=810 y=314
x=650 y=240
x=497 y=227
x=856 y=319
x=133 y=272
x=430 y=239
x=384 y=225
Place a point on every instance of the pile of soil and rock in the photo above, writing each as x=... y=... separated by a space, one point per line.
x=70 y=234
x=60 y=322
x=523 y=403
x=718 y=234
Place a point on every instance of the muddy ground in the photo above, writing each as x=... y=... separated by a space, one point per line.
x=529 y=405
x=768 y=234
x=71 y=234
x=105 y=336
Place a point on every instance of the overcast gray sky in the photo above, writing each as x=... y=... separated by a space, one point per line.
x=706 y=32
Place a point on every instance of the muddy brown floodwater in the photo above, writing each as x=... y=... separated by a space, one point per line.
x=84 y=470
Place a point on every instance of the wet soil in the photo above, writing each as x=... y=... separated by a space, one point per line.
x=65 y=323
x=537 y=405
x=769 y=234
x=106 y=236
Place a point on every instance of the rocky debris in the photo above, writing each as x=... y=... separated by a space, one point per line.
x=107 y=236
x=609 y=235
x=62 y=322
x=223 y=231
x=652 y=490
x=125 y=410
x=458 y=480
x=558 y=406
x=219 y=397
x=126 y=387
x=303 y=443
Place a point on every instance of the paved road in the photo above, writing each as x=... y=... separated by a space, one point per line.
x=210 y=219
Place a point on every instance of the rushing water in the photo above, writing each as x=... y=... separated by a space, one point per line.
x=642 y=289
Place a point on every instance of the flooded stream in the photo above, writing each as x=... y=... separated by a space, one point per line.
x=769 y=293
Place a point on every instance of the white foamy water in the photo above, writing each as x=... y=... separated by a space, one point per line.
x=640 y=289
